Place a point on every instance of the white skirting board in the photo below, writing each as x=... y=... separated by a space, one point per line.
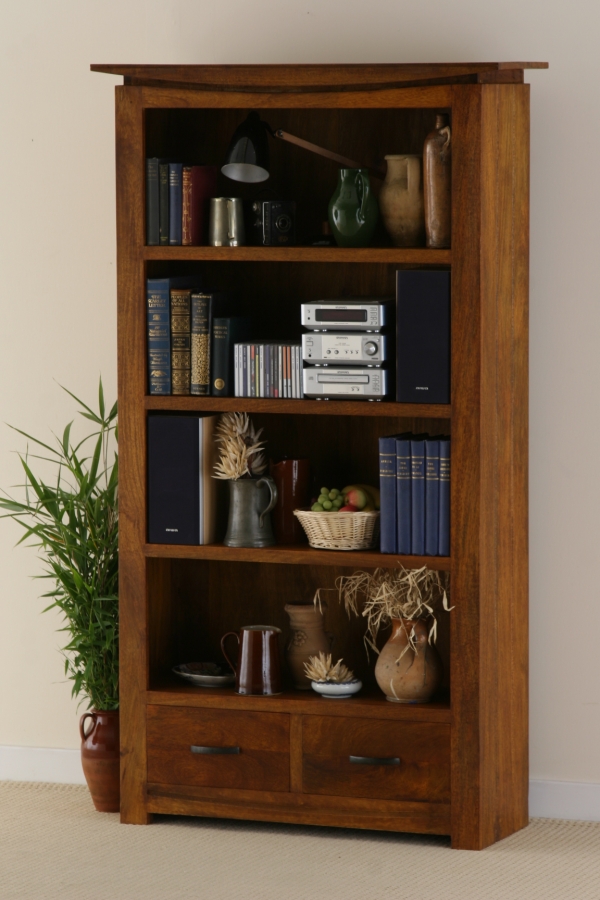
x=547 y=799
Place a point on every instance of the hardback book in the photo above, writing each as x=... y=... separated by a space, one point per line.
x=387 y=490
x=226 y=333
x=180 y=340
x=182 y=494
x=444 y=526
x=175 y=202
x=422 y=336
x=417 y=479
x=163 y=203
x=186 y=205
x=205 y=307
x=158 y=306
x=403 y=493
x=432 y=496
x=152 y=213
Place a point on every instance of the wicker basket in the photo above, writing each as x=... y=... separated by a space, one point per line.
x=340 y=531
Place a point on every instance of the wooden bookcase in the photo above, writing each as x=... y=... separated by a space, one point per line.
x=464 y=765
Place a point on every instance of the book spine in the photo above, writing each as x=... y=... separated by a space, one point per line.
x=432 y=497
x=152 y=223
x=261 y=351
x=163 y=204
x=159 y=336
x=288 y=362
x=387 y=489
x=200 y=359
x=252 y=364
x=246 y=370
x=275 y=371
x=417 y=477
x=257 y=362
x=180 y=341
x=280 y=371
x=403 y=496
x=293 y=370
x=220 y=351
x=444 y=529
x=186 y=205
x=236 y=371
x=285 y=370
x=175 y=173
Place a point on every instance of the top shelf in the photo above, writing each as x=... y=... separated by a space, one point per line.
x=418 y=256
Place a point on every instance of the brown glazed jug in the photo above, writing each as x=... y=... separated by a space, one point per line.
x=415 y=676
x=308 y=639
x=100 y=755
x=401 y=201
x=437 y=157
x=258 y=669
x=291 y=477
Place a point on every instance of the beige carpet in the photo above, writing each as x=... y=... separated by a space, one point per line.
x=54 y=846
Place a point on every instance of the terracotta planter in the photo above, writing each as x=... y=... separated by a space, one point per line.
x=100 y=757
x=308 y=639
x=416 y=676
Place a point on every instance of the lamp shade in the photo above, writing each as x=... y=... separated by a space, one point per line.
x=247 y=157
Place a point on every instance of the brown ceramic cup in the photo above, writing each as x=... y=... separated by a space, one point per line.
x=291 y=477
x=258 y=669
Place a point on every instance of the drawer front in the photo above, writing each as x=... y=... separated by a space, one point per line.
x=246 y=750
x=377 y=759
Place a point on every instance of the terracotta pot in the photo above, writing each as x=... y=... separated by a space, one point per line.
x=437 y=158
x=100 y=757
x=401 y=201
x=416 y=676
x=308 y=639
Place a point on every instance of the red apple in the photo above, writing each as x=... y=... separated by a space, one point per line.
x=349 y=507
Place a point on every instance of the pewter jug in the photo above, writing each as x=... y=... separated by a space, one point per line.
x=250 y=505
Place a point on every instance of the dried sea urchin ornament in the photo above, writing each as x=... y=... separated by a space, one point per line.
x=319 y=668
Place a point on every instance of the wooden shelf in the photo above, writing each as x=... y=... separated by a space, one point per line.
x=418 y=256
x=290 y=554
x=301 y=407
x=367 y=704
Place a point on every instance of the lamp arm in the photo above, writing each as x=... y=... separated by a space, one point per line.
x=328 y=154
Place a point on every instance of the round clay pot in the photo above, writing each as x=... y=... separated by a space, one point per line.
x=415 y=677
x=308 y=639
x=401 y=201
x=100 y=756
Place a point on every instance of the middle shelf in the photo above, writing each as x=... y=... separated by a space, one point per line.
x=295 y=555
x=299 y=407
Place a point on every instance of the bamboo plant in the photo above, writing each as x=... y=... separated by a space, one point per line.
x=73 y=522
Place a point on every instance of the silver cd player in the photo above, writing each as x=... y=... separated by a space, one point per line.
x=362 y=314
x=345 y=348
x=345 y=384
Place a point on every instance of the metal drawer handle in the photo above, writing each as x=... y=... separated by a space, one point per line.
x=376 y=761
x=209 y=750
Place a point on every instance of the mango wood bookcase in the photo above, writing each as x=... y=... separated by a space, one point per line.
x=464 y=759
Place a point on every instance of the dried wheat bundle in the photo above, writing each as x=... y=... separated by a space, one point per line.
x=388 y=594
x=319 y=668
x=241 y=450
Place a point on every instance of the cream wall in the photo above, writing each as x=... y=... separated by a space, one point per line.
x=57 y=253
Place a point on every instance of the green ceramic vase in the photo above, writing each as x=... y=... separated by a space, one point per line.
x=353 y=209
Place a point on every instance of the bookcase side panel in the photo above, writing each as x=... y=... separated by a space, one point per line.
x=132 y=504
x=466 y=660
x=504 y=414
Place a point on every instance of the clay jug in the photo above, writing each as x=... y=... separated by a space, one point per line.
x=100 y=756
x=415 y=676
x=308 y=639
x=436 y=184
x=353 y=209
x=401 y=201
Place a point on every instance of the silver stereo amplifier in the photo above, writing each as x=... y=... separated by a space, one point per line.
x=363 y=314
x=345 y=348
x=345 y=384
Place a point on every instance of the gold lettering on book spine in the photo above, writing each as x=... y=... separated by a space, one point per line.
x=200 y=360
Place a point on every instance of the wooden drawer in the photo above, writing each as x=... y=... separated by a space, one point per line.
x=258 y=745
x=400 y=761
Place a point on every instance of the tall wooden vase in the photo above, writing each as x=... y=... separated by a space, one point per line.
x=408 y=675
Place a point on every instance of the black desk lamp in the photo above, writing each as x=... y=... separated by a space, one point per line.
x=247 y=157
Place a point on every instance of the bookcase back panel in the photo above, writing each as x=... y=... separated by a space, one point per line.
x=202 y=136
x=208 y=599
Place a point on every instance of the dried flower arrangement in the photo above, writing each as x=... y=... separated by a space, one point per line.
x=388 y=594
x=319 y=668
x=241 y=450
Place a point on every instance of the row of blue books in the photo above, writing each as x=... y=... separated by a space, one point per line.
x=414 y=478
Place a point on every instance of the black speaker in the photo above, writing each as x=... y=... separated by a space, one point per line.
x=422 y=336
x=181 y=489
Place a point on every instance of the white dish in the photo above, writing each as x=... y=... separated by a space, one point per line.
x=205 y=674
x=336 y=691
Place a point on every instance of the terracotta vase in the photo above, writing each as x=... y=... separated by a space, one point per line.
x=401 y=201
x=436 y=184
x=100 y=757
x=308 y=639
x=416 y=676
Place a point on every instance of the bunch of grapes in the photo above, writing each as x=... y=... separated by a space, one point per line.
x=328 y=501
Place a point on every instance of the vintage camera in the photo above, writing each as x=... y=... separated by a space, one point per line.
x=272 y=223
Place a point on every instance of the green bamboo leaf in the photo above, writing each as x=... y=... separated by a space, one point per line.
x=101 y=398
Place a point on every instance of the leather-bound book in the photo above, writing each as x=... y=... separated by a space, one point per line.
x=175 y=201
x=180 y=340
x=226 y=332
x=163 y=203
x=152 y=225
